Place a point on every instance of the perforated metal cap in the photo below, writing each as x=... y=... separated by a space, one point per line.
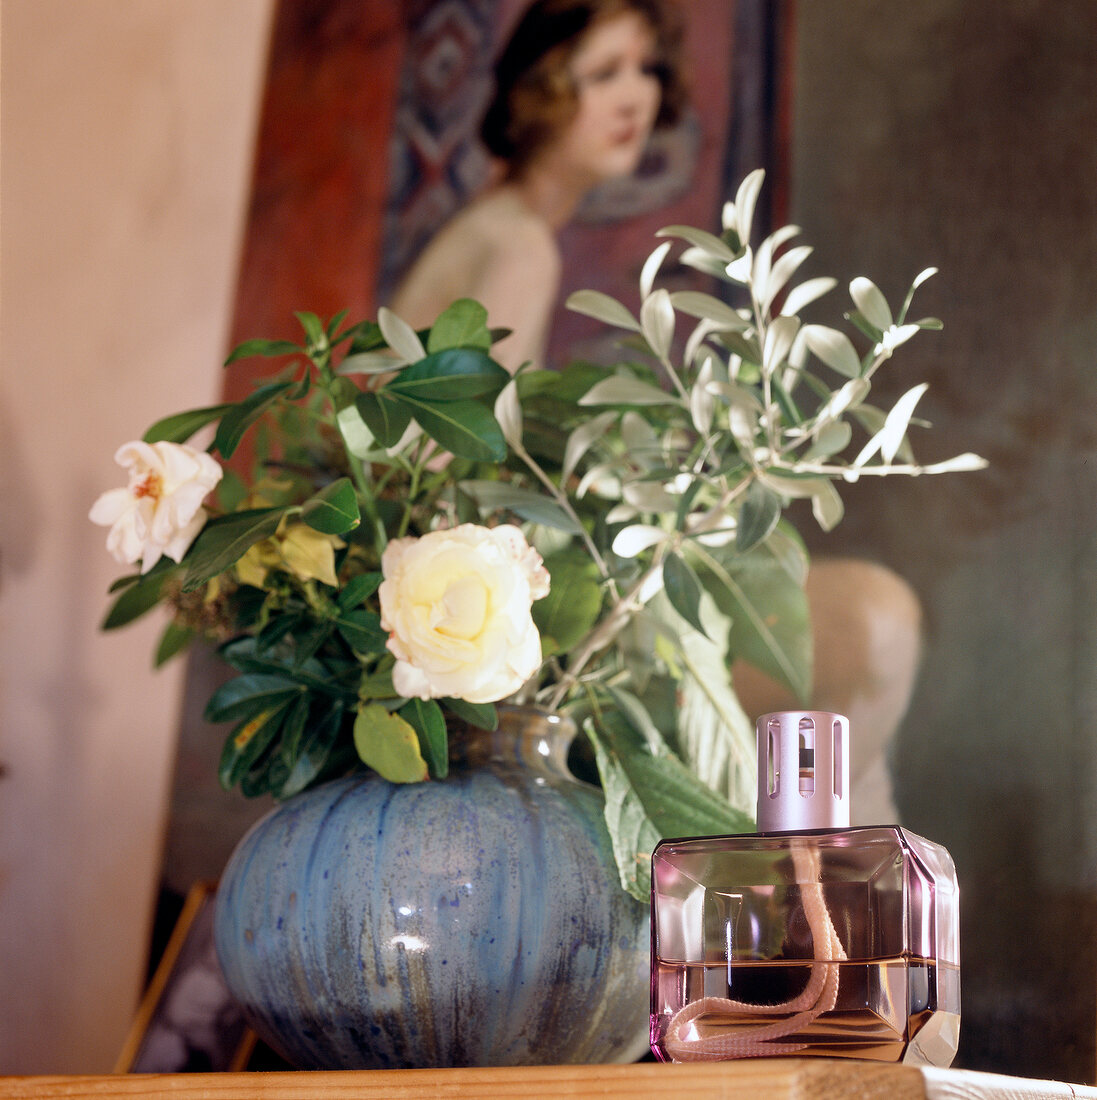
x=803 y=771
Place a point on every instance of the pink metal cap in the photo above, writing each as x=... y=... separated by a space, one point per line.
x=803 y=771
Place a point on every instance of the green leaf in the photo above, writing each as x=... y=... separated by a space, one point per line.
x=425 y=717
x=758 y=516
x=314 y=331
x=481 y=715
x=225 y=540
x=137 y=598
x=247 y=743
x=361 y=629
x=173 y=641
x=455 y=374
x=293 y=730
x=248 y=695
x=386 y=417
x=364 y=336
x=683 y=589
x=463 y=325
x=333 y=510
x=464 y=428
x=249 y=655
x=315 y=747
x=567 y=614
x=180 y=427
x=650 y=793
x=768 y=612
x=358 y=589
x=236 y=422
x=377 y=685
x=267 y=348
x=495 y=495
x=387 y=743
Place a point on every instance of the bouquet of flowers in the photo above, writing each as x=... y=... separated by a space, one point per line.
x=423 y=535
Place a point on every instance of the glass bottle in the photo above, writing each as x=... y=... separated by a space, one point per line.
x=809 y=937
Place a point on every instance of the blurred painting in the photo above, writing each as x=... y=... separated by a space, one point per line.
x=370 y=141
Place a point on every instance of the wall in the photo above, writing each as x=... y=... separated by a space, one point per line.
x=127 y=137
x=960 y=134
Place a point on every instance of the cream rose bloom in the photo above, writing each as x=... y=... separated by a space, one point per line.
x=457 y=605
x=159 y=513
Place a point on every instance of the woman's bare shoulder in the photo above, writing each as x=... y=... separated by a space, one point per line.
x=504 y=223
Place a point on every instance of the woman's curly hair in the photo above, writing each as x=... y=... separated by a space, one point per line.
x=535 y=96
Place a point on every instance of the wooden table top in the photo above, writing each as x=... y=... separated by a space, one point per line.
x=750 y=1079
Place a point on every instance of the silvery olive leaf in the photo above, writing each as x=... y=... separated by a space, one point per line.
x=695 y=343
x=651 y=268
x=593 y=303
x=783 y=270
x=621 y=513
x=871 y=302
x=827 y=507
x=701 y=404
x=700 y=260
x=806 y=293
x=719 y=314
x=779 y=337
x=735 y=394
x=959 y=463
x=358 y=438
x=699 y=238
x=602 y=479
x=657 y=322
x=746 y=199
x=739 y=270
x=898 y=420
x=640 y=440
x=833 y=348
x=581 y=440
x=919 y=279
x=400 y=336
x=895 y=335
x=508 y=412
x=830 y=440
x=623 y=389
x=767 y=250
x=371 y=362
x=634 y=540
x=649 y=496
x=795 y=488
x=848 y=397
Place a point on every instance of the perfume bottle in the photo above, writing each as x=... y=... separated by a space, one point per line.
x=808 y=937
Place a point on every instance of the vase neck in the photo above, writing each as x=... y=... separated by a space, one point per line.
x=526 y=737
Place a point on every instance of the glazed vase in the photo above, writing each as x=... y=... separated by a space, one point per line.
x=473 y=921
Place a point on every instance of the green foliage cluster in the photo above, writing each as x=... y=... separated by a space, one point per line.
x=655 y=490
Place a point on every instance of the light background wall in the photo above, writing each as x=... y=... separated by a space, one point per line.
x=127 y=142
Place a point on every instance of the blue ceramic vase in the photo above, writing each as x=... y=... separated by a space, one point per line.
x=475 y=921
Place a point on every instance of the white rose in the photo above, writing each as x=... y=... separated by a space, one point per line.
x=457 y=604
x=160 y=511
